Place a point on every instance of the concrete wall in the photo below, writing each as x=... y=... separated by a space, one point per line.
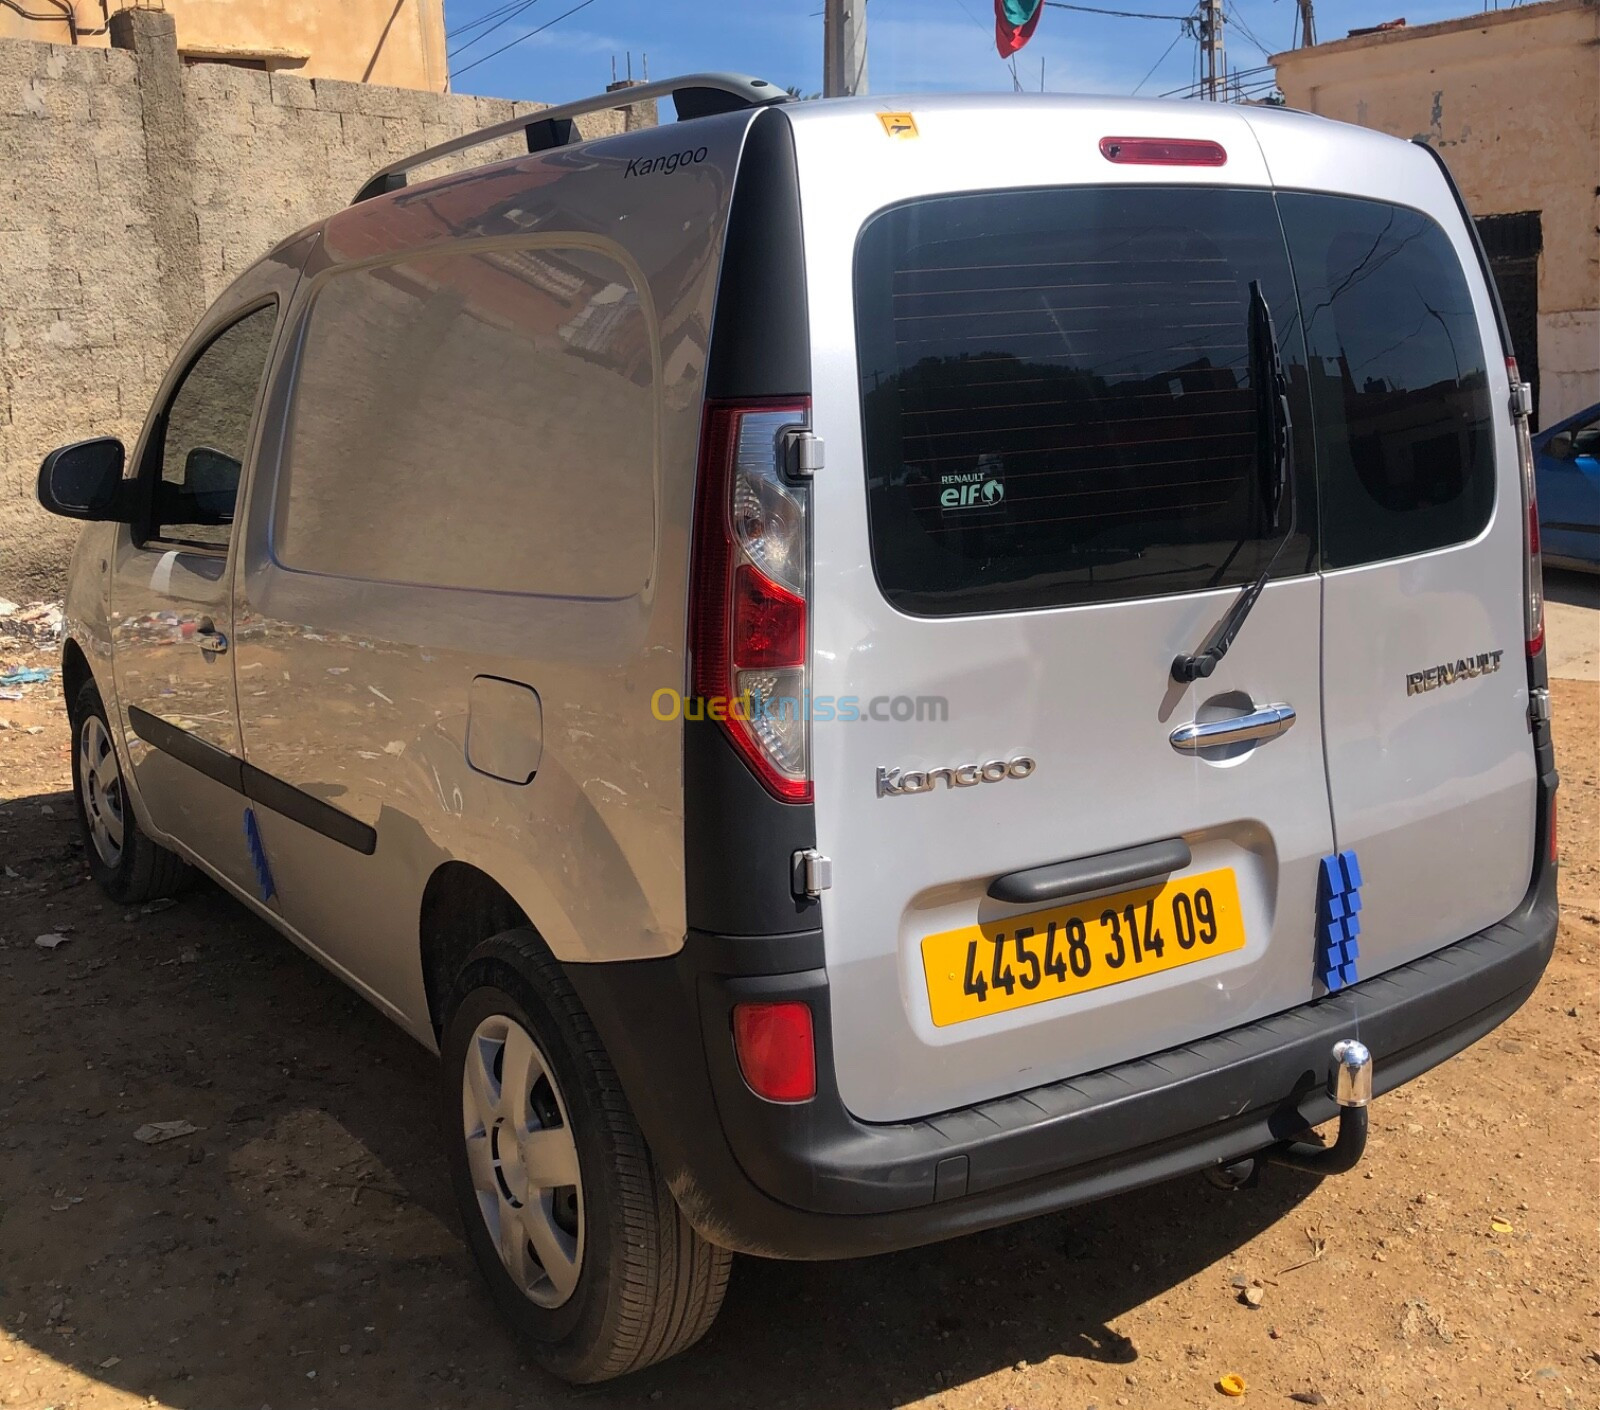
x=133 y=190
x=1511 y=99
x=398 y=42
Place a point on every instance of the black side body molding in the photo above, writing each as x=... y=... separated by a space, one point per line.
x=250 y=782
x=188 y=749
x=301 y=807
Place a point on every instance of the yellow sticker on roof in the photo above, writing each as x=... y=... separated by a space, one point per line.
x=898 y=124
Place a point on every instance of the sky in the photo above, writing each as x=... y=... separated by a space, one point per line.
x=914 y=46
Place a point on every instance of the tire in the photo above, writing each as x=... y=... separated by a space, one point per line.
x=641 y=1285
x=124 y=862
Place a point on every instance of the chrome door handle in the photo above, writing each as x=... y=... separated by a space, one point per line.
x=1266 y=723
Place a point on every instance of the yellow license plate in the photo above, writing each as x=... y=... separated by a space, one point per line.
x=1029 y=959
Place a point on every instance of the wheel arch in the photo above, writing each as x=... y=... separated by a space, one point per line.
x=75 y=672
x=462 y=906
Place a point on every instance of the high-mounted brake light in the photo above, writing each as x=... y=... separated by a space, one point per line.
x=749 y=591
x=1532 y=560
x=776 y=1050
x=1162 y=151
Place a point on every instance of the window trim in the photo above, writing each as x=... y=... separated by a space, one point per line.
x=146 y=532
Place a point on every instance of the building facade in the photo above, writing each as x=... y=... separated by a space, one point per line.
x=1511 y=100
x=398 y=43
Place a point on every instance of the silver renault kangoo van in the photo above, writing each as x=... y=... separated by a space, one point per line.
x=861 y=670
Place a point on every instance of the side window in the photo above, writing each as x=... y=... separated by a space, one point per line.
x=1058 y=399
x=1586 y=439
x=1404 y=432
x=475 y=421
x=207 y=434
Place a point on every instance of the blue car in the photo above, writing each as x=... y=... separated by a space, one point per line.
x=1567 y=471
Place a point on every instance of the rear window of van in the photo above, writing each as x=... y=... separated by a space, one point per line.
x=1057 y=394
x=1399 y=383
x=1059 y=405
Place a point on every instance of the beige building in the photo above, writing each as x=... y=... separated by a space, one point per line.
x=1511 y=99
x=399 y=43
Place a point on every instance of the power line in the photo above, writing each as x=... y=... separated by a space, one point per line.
x=484 y=18
x=529 y=35
x=517 y=8
x=1250 y=78
x=1119 y=14
x=1244 y=29
x=1158 y=62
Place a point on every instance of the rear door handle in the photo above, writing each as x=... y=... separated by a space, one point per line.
x=1266 y=723
x=1123 y=868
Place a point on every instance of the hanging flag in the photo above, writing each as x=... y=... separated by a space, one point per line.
x=1014 y=23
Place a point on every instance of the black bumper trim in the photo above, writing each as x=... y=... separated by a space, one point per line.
x=812 y=1181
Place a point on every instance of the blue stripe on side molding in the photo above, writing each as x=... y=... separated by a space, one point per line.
x=1338 y=925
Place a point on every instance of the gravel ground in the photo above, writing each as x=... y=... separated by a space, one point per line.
x=299 y=1249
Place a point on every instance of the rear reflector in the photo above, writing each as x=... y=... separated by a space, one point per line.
x=1555 y=845
x=776 y=1051
x=1162 y=151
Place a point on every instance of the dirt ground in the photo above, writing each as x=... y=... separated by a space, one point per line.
x=300 y=1248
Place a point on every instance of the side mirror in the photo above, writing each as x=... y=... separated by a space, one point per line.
x=84 y=480
x=1560 y=447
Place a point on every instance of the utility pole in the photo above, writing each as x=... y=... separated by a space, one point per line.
x=844 y=48
x=1213 y=61
x=1308 y=25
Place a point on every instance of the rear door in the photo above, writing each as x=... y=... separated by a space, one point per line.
x=1430 y=760
x=1041 y=486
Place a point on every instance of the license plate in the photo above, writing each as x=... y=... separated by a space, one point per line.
x=1030 y=959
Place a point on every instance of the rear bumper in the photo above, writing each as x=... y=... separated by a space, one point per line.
x=811 y=1181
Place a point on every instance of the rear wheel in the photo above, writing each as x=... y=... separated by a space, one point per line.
x=583 y=1246
x=125 y=863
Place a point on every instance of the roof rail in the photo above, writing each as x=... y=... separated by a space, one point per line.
x=693 y=95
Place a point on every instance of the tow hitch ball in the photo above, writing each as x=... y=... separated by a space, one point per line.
x=1349 y=1084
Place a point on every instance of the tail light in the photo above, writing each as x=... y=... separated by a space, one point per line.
x=776 y=1050
x=1532 y=563
x=750 y=589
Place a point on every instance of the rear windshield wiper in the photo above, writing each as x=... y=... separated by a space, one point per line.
x=1277 y=483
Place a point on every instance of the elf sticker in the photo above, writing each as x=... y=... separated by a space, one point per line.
x=968 y=490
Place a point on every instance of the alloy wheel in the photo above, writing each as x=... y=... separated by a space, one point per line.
x=100 y=790
x=523 y=1160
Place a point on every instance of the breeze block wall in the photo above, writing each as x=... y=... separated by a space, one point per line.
x=133 y=189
